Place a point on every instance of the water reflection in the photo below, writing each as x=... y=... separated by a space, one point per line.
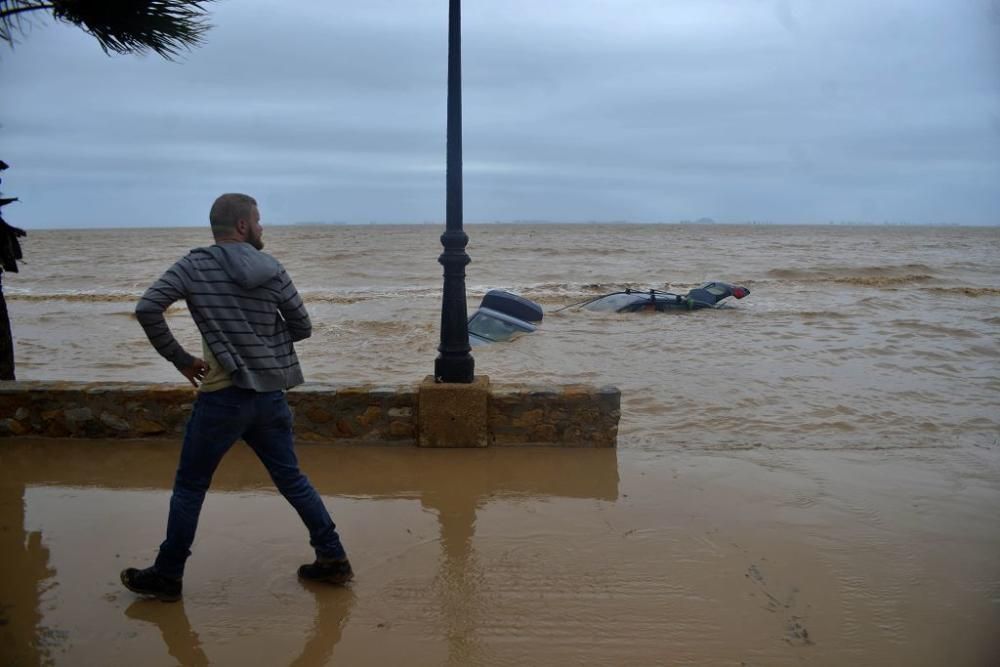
x=455 y=584
x=333 y=609
x=23 y=637
x=454 y=485
x=456 y=500
x=181 y=640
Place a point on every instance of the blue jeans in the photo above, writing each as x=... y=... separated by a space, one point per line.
x=218 y=420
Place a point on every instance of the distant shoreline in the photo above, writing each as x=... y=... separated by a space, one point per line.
x=546 y=223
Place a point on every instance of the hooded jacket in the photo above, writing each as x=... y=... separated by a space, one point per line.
x=246 y=308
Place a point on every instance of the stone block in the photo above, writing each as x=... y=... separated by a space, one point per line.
x=400 y=429
x=454 y=414
x=148 y=427
x=114 y=422
x=317 y=415
x=529 y=418
x=370 y=416
x=78 y=415
x=13 y=426
x=344 y=428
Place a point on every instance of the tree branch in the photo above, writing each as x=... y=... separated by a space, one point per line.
x=4 y=13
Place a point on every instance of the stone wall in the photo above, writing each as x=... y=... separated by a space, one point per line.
x=569 y=416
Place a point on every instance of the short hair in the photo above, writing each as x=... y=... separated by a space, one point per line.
x=229 y=209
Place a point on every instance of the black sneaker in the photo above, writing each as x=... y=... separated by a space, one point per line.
x=151 y=583
x=336 y=572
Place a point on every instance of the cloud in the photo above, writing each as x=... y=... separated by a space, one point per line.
x=791 y=111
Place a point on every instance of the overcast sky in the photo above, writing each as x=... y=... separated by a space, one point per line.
x=574 y=110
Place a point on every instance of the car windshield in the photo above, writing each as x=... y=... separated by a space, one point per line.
x=492 y=328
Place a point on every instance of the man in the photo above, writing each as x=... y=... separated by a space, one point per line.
x=249 y=314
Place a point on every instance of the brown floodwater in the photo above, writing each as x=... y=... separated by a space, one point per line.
x=808 y=476
x=513 y=557
x=852 y=337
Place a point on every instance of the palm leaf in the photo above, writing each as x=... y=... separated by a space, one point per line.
x=121 y=26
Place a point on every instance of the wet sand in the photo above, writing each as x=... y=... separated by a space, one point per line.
x=514 y=557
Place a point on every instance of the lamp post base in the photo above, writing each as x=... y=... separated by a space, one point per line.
x=454 y=415
x=460 y=369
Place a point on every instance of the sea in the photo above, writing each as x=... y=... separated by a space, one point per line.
x=852 y=337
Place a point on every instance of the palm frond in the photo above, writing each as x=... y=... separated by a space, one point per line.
x=13 y=13
x=121 y=26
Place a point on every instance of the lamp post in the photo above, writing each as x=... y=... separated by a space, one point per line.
x=454 y=362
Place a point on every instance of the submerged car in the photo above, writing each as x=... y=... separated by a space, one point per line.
x=708 y=295
x=502 y=316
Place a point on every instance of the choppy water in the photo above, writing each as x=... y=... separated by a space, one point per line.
x=853 y=337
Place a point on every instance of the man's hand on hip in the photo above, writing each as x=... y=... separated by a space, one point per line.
x=195 y=373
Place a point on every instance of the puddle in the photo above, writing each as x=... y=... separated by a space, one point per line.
x=535 y=556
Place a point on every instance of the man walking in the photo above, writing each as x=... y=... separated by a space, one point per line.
x=249 y=315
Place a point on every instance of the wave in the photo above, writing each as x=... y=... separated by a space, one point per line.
x=73 y=296
x=542 y=293
x=825 y=314
x=967 y=291
x=546 y=293
x=348 y=297
x=929 y=330
x=379 y=327
x=866 y=276
x=344 y=298
x=573 y=252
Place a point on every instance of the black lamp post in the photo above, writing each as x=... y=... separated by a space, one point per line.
x=454 y=362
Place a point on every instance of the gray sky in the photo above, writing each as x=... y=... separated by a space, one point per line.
x=574 y=111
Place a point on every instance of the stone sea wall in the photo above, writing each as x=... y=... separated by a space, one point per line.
x=518 y=415
x=573 y=415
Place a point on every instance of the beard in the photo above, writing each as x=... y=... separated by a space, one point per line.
x=256 y=240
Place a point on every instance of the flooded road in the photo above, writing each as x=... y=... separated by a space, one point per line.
x=513 y=557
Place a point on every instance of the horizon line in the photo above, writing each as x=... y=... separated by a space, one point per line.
x=684 y=223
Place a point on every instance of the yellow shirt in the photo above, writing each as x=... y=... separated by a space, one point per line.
x=216 y=378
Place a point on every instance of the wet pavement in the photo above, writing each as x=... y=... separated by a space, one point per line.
x=512 y=557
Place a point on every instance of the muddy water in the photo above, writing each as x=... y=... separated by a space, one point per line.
x=505 y=557
x=808 y=476
x=853 y=337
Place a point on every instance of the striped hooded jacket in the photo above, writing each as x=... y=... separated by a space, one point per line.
x=246 y=308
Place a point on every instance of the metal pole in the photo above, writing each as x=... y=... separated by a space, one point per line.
x=454 y=362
